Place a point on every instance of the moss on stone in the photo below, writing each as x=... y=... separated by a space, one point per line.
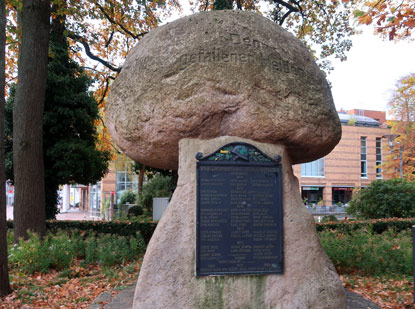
x=213 y=292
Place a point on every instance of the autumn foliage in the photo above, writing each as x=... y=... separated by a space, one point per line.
x=101 y=33
x=402 y=108
x=393 y=19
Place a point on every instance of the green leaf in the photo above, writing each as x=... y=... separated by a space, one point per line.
x=358 y=13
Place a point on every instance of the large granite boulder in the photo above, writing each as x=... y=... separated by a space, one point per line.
x=221 y=73
x=167 y=276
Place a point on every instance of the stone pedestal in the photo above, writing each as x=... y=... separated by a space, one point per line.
x=167 y=277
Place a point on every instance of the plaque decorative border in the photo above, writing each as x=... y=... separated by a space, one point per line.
x=238 y=151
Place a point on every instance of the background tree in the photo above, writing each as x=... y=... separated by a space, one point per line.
x=101 y=33
x=69 y=124
x=105 y=31
x=29 y=198
x=4 y=273
x=402 y=107
x=71 y=114
x=393 y=19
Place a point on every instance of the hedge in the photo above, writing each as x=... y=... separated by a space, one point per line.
x=106 y=227
x=377 y=226
x=146 y=229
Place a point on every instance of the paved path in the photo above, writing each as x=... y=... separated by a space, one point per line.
x=72 y=214
x=124 y=300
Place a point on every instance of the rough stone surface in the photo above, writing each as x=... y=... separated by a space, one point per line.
x=122 y=300
x=104 y=297
x=356 y=301
x=167 y=277
x=221 y=73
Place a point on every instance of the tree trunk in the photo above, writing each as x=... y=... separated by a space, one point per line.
x=4 y=272
x=141 y=178
x=29 y=208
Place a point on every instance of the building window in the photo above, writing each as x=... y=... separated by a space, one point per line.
x=313 y=169
x=363 y=156
x=311 y=194
x=378 y=157
x=95 y=199
x=341 y=195
x=126 y=181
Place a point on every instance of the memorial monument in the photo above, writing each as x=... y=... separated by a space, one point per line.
x=231 y=100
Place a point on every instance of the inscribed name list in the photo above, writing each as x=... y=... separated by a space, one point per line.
x=239 y=220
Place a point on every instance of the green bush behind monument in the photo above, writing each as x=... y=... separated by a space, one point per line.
x=394 y=198
x=365 y=252
x=158 y=186
x=128 y=197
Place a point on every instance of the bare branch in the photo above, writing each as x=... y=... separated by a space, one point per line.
x=284 y=17
x=111 y=20
x=379 y=2
x=109 y=39
x=107 y=84
x=323 y=9
x=81 y=40
x=99 y=72
x=290 y=8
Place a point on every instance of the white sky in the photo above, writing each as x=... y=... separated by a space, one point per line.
x=373 y=66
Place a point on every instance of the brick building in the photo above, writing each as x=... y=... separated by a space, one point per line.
x=119 y=179
x=353 y=163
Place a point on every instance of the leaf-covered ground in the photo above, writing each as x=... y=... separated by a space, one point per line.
x=76 y=287
x=385 y=292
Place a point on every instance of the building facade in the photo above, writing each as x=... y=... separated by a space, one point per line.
x=120 y=178
x=352 y=164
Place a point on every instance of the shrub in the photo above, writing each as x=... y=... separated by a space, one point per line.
x=135 y=211
x=394 y=198
x=330 y=218
x=86 y=228
x=62 y=250
x=128 y=197
x=377 y=226
x=109 y=250
x=30 y=255
x=373 y=254
x=91 y=249
x=159 y=186
x=59 y=251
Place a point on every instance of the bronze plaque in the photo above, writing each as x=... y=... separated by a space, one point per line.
x=239 y=212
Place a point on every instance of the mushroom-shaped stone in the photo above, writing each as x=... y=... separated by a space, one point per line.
x=221 y=73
